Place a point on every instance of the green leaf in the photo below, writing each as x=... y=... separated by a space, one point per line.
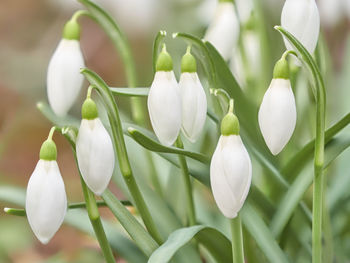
x=131 y=225
x=262 y=235
x=117 y=36
x=296 y=191
x=131 y=92
x=156 y=47
x=78 y=219
x=299 y=160
x=46 y=110
x=213 y=240
x=154 y=146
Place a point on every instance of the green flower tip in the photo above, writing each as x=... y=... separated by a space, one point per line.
x=89 y=110
x=188 y=62
x=48 y=151
x=230 y=125
x=164 y=61
x=71 y=30
x=281 y=70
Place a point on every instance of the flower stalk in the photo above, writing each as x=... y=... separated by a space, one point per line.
x=188 y=186
x=237 y=240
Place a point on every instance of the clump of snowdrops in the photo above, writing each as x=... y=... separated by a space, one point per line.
x=236 y=184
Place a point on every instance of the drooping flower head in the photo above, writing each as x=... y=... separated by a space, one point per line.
x=277 y=113
x=46 y=201
x=194 y=101
x=223 y=31
x=164 y=101
x=94 y=148
x=64 y=80
x=230 y=168
x=301 y=18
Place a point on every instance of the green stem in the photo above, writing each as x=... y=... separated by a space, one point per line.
x=119 y=143
x=188 y=186
x=80 y=13
x=318 y=192
x=237 y=240
x=96 y=223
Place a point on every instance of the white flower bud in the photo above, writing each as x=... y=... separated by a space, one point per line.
x=46 y=201
x=230 y=174
x=194 y=105
x=164 y=107
x=223 y=32
x=95 y=154
x=244 y=9
x=277 y=115
x=64 y=80
x=301 y=19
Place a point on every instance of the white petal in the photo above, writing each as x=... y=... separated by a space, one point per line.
x=46 y=201
x=194 y=105
x=301 y=19
x=277 y=115
x=223 y=31
x=95 y=155
x=244 y=8
x=164 y=107
x=230 y=175
x=64 y=80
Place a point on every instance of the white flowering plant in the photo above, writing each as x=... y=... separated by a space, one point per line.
x=213 y=168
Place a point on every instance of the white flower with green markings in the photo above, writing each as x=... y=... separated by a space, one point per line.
x=64 y=80
x=94 y=148
x=230 y=168
x=223 y=31
x=301 y=18
x=194 y=101
x=164 y=101
x=46 y=200
x=277 y=113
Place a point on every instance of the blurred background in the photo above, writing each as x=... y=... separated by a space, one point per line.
x=29 y=33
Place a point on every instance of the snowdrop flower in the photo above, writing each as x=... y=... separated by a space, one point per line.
x=46 y=201
x=164 y=101
x=223 y=32
x=244 y=9
x=230 y=168
x=94 y=148
x=194 y=101
x=64 y=80
x=301 y=19
x=277 y=113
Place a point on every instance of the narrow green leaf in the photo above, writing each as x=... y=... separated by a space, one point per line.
x=116 y=35
x=156 y=46
x=78 y=219
x=131 y=225
x=296 y=191
x=262 y=235
x=46 y=110
x=155 y=146
x=131 y=92
x=217 y=244
x=299 y=160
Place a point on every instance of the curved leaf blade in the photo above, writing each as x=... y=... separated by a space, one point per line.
x=212 y=239
x=130 y=92
x=296 y=191
x=154 y=146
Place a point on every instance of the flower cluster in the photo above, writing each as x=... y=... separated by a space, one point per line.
x=173 y=107
x=176 y=106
